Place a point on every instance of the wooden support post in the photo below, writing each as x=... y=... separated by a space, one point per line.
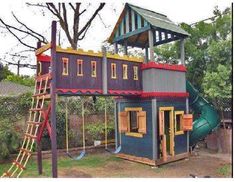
x=125 y=48
x=187 y=112
x=104 y=72
x=127 y=22
x=39 y=146
x=115 y=48
x=116 y=124
x=182 y=54
x=154 y=128
x=150 y=37
x=146 y=57
x=53 y=101
x=39 y=157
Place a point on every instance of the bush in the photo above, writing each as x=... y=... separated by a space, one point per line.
x=97 y=130
x=9 y=138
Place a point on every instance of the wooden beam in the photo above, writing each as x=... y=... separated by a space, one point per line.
x=151 y=43
x=127 y=22
x=137 y=159
x=132 y=20
x=166 y=41
x=43 y=49
x=182 y=54
x=129 y=34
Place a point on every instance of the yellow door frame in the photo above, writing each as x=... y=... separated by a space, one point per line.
x=171 y=129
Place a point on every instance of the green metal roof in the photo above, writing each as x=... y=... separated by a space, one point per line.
x=158 y=20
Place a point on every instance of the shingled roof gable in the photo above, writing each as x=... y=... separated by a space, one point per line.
x=154 y=19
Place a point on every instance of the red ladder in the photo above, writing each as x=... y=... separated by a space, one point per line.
x=38 y=120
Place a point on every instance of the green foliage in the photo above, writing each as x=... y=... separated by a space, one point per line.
x=14 y=108
x=97 y=129
x=23 y=80
x=4 y=72
x=225 y=170
x=9 y=139
x=217 y=84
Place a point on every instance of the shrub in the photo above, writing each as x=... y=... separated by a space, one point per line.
x=9 y=139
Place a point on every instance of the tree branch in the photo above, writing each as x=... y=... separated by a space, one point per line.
x=8 y=27
x=84 y=29
x=32 y=32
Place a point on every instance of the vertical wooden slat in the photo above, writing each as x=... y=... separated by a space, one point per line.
x=142 y=122
x=122 y=27
x=161 y=123
x=138 y=21
x=127 y=21
x=132 y=20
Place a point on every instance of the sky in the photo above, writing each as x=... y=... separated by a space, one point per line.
x=188 y=11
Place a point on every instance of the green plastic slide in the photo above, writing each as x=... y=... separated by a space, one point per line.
x=208 y=118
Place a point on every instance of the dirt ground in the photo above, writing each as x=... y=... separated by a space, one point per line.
x=201 y=164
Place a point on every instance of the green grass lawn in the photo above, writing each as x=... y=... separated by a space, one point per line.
x=91 y=161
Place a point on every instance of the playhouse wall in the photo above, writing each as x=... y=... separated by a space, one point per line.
x=181 y=141
x=140 y=147
x=164 y=80
x=72 y=81
x=44 y=67
x=119 y=83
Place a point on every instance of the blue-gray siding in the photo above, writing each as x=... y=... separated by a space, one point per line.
x=140 y=147
x=159 y=80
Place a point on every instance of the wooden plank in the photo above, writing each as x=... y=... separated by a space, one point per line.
x=138 y=21
x=127 y=21
x=137 y=159
x=43 y=49
x=172 y=158
x=132 y=20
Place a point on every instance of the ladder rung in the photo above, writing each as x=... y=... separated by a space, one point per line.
x=40 y=94
x=34 y=123
x=46 y=97
x=19 y=165
x=26 y=151
x=30 y=136
x=36 y=109
x=43 y=77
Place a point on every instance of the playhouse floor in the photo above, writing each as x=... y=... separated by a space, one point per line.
x=106 y=165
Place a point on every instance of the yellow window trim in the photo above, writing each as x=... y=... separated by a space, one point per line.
x=181 y=131
x=40 y=68
x=133 y=134
x=65 y=71
x=135 y=70
x=113 y=74
x=166 y=108
x=133 y=109
x=78 y=62
x=93 y=74
x=124 y=71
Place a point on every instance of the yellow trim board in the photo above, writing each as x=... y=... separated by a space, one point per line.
x=133 y=109
x=43 y=49
x=138 y=135
x=99 y=54
x=181 y=131
x=79 y=52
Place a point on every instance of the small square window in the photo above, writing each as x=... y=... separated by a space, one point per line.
x=39 y=68
x=179 y=122
x=135 y=69
x=124 y=71
x=93 y=68
x=79 y=67
x=65 y=68
x=113 y=71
